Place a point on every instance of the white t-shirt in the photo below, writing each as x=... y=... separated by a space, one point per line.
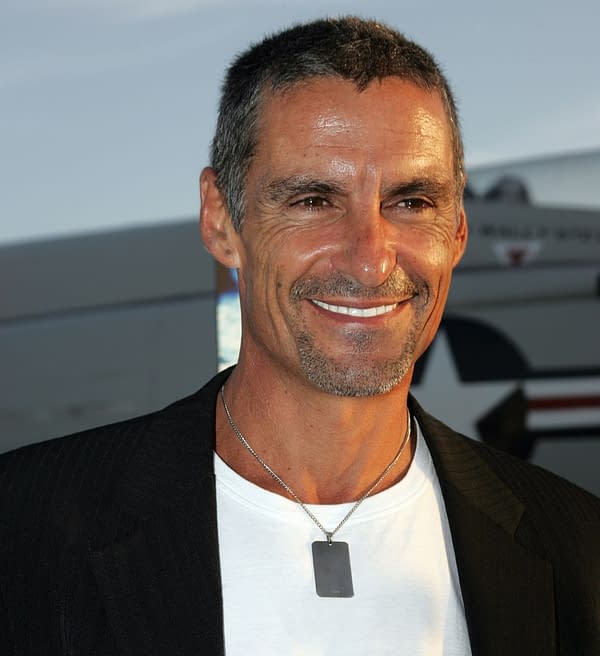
x=406 y=599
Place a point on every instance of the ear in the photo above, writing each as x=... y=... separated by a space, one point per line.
x=216 y=227
x=461 y=237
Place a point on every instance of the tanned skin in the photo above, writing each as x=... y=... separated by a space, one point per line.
x=353 y=227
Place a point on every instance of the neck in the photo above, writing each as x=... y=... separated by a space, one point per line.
x=328 y=449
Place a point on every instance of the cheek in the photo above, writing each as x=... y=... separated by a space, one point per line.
x=291 y=254
x=443 y=265
x=263 y=279
x=429 y=254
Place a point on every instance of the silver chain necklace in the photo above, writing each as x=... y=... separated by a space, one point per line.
x=333 y=576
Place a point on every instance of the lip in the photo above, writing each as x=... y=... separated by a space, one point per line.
x=355 y=312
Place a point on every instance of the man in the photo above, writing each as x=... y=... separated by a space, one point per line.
x=303 y=503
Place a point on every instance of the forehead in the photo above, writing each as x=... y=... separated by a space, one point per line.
x=391 y=119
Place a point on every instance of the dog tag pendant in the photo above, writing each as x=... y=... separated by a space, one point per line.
x=333 y=576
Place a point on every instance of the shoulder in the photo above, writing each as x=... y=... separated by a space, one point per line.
x=552 y=516
x=545 y=514
x=63 y=481
x=548 y=497
x=41 y=482
x=537 y=488
x=536 y=484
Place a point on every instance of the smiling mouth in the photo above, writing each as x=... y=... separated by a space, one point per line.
x=356 y=311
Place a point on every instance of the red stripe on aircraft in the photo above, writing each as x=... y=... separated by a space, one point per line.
x=561 y=403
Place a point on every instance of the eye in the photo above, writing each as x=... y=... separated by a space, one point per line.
x=311 y=203
x=415 y=204
x=410 y=208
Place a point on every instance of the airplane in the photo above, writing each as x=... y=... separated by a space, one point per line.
x=98 y=327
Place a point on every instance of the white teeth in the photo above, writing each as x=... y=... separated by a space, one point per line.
x=354 y=311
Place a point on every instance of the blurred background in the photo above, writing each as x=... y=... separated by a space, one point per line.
x=109 y=304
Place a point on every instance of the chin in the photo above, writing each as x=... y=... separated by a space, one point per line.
x=356 y=379
x=361 y=371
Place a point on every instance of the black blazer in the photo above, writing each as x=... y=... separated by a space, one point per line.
x=108 y=543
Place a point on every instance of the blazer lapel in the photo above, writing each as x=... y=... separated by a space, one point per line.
x=154 y=548
x=507 y=586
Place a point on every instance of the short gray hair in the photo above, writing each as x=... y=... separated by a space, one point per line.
x=349 y=48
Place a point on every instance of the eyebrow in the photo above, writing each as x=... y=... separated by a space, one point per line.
x=281 y=189
x=421 y=186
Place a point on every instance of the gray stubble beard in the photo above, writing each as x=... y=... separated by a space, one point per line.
x=357 y=378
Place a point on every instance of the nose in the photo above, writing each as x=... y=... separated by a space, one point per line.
x=367 y=251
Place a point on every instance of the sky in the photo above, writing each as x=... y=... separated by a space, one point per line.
x=107 y=107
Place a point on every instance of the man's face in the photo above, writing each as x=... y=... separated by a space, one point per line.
x=351 y=232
